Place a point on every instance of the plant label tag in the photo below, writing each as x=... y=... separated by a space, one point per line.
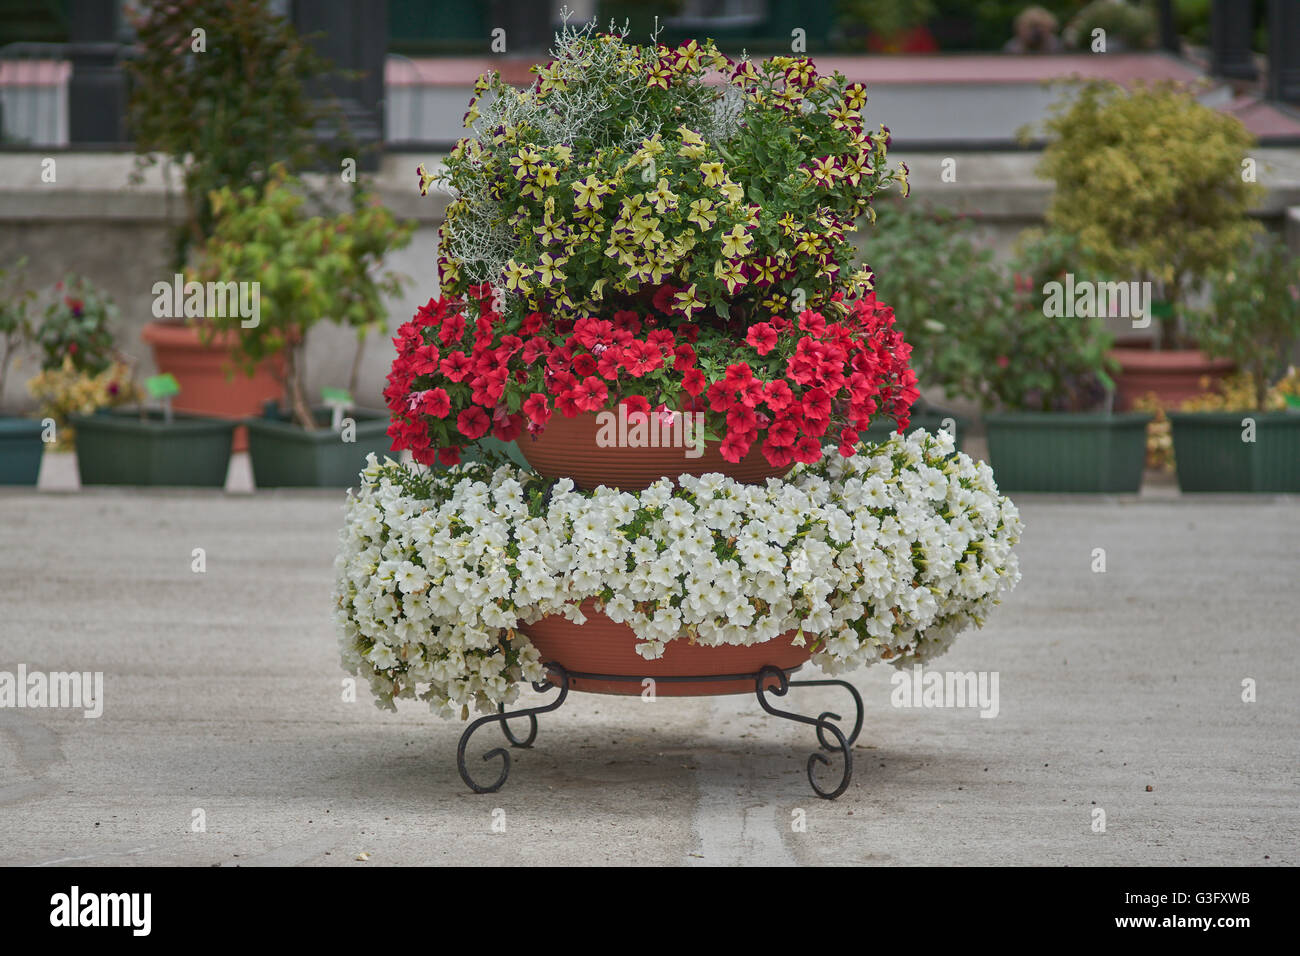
x=162 y=386
x=339 y=400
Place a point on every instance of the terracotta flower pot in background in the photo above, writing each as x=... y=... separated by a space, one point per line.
x=568 y=448
x=1174 y=375
x=602 y=647
x=201 y=371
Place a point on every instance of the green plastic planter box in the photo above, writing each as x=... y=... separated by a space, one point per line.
x=117 y=447
x=1066 y=452
x=285 y=455
x=1211 y=455
x=931 y=419
x=20 y=451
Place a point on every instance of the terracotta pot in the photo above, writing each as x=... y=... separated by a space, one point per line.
x=567 y=448
x=201 y=370
x=602 y=647
x=1173 y=376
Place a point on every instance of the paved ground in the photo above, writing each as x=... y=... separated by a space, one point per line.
x=1118 y=690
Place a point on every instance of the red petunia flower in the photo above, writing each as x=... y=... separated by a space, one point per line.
x=693 y=381
x=807 y=450
x=435 y=402
x=455 y=366
x=762 y=336
x=537 y=409
x=590 y=395
x=472 y=422
x=453 y=329
x=508 y=428
x=736 y=445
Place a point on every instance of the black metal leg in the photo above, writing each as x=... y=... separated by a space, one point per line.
x=503 y=719
x=822 y=722
x=857 y=703
x=768 y=680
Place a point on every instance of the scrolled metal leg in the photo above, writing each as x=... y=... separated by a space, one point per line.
x=503 y=719
x=823 y=724
x=857 y=703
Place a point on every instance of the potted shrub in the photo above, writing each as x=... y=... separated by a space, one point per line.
x=942 y=283
x=153 y=446
x=1047 y=374
x=80 y=370
x=21 y=444
x=1254 y=321
x=245 y=127
x=1151 y=183
x=309 y=268
x=629 y=241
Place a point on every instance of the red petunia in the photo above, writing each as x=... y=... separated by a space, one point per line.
x=537 y=409
x=508 y=428
x=807 y=450
x=590 y=395
x=453 y=329
x=693 y=381
x=435 y=402
x=455 y=366
x=778 y=395
x=635 y=405
x=472 y=422
x=762 y=336
x=736 y=445
x=778 y=456
x=812 y=322
x=683 y=357
x=721 y=397
x=450 y=455
x=739 y=375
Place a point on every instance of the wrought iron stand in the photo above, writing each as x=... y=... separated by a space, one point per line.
x=768 y=680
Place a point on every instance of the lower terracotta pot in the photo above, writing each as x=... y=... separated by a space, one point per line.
x=202 y=370
x=602 y=647
x=1173 y=376
x=578 y=448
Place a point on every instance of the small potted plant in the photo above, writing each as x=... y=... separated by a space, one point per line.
x=245 y=127
x=81 y=371
x=84 y=382
x=1254 y=321
x=1048 y=375
x=1152 y=184
x=21 y=443
x=309 y=268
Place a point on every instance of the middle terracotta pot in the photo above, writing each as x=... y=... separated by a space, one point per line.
x=601 y=646
x=580 y=448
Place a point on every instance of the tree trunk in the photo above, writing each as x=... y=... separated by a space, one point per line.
x=297 y=398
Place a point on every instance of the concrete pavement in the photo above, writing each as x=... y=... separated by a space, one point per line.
x=1119 y=690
